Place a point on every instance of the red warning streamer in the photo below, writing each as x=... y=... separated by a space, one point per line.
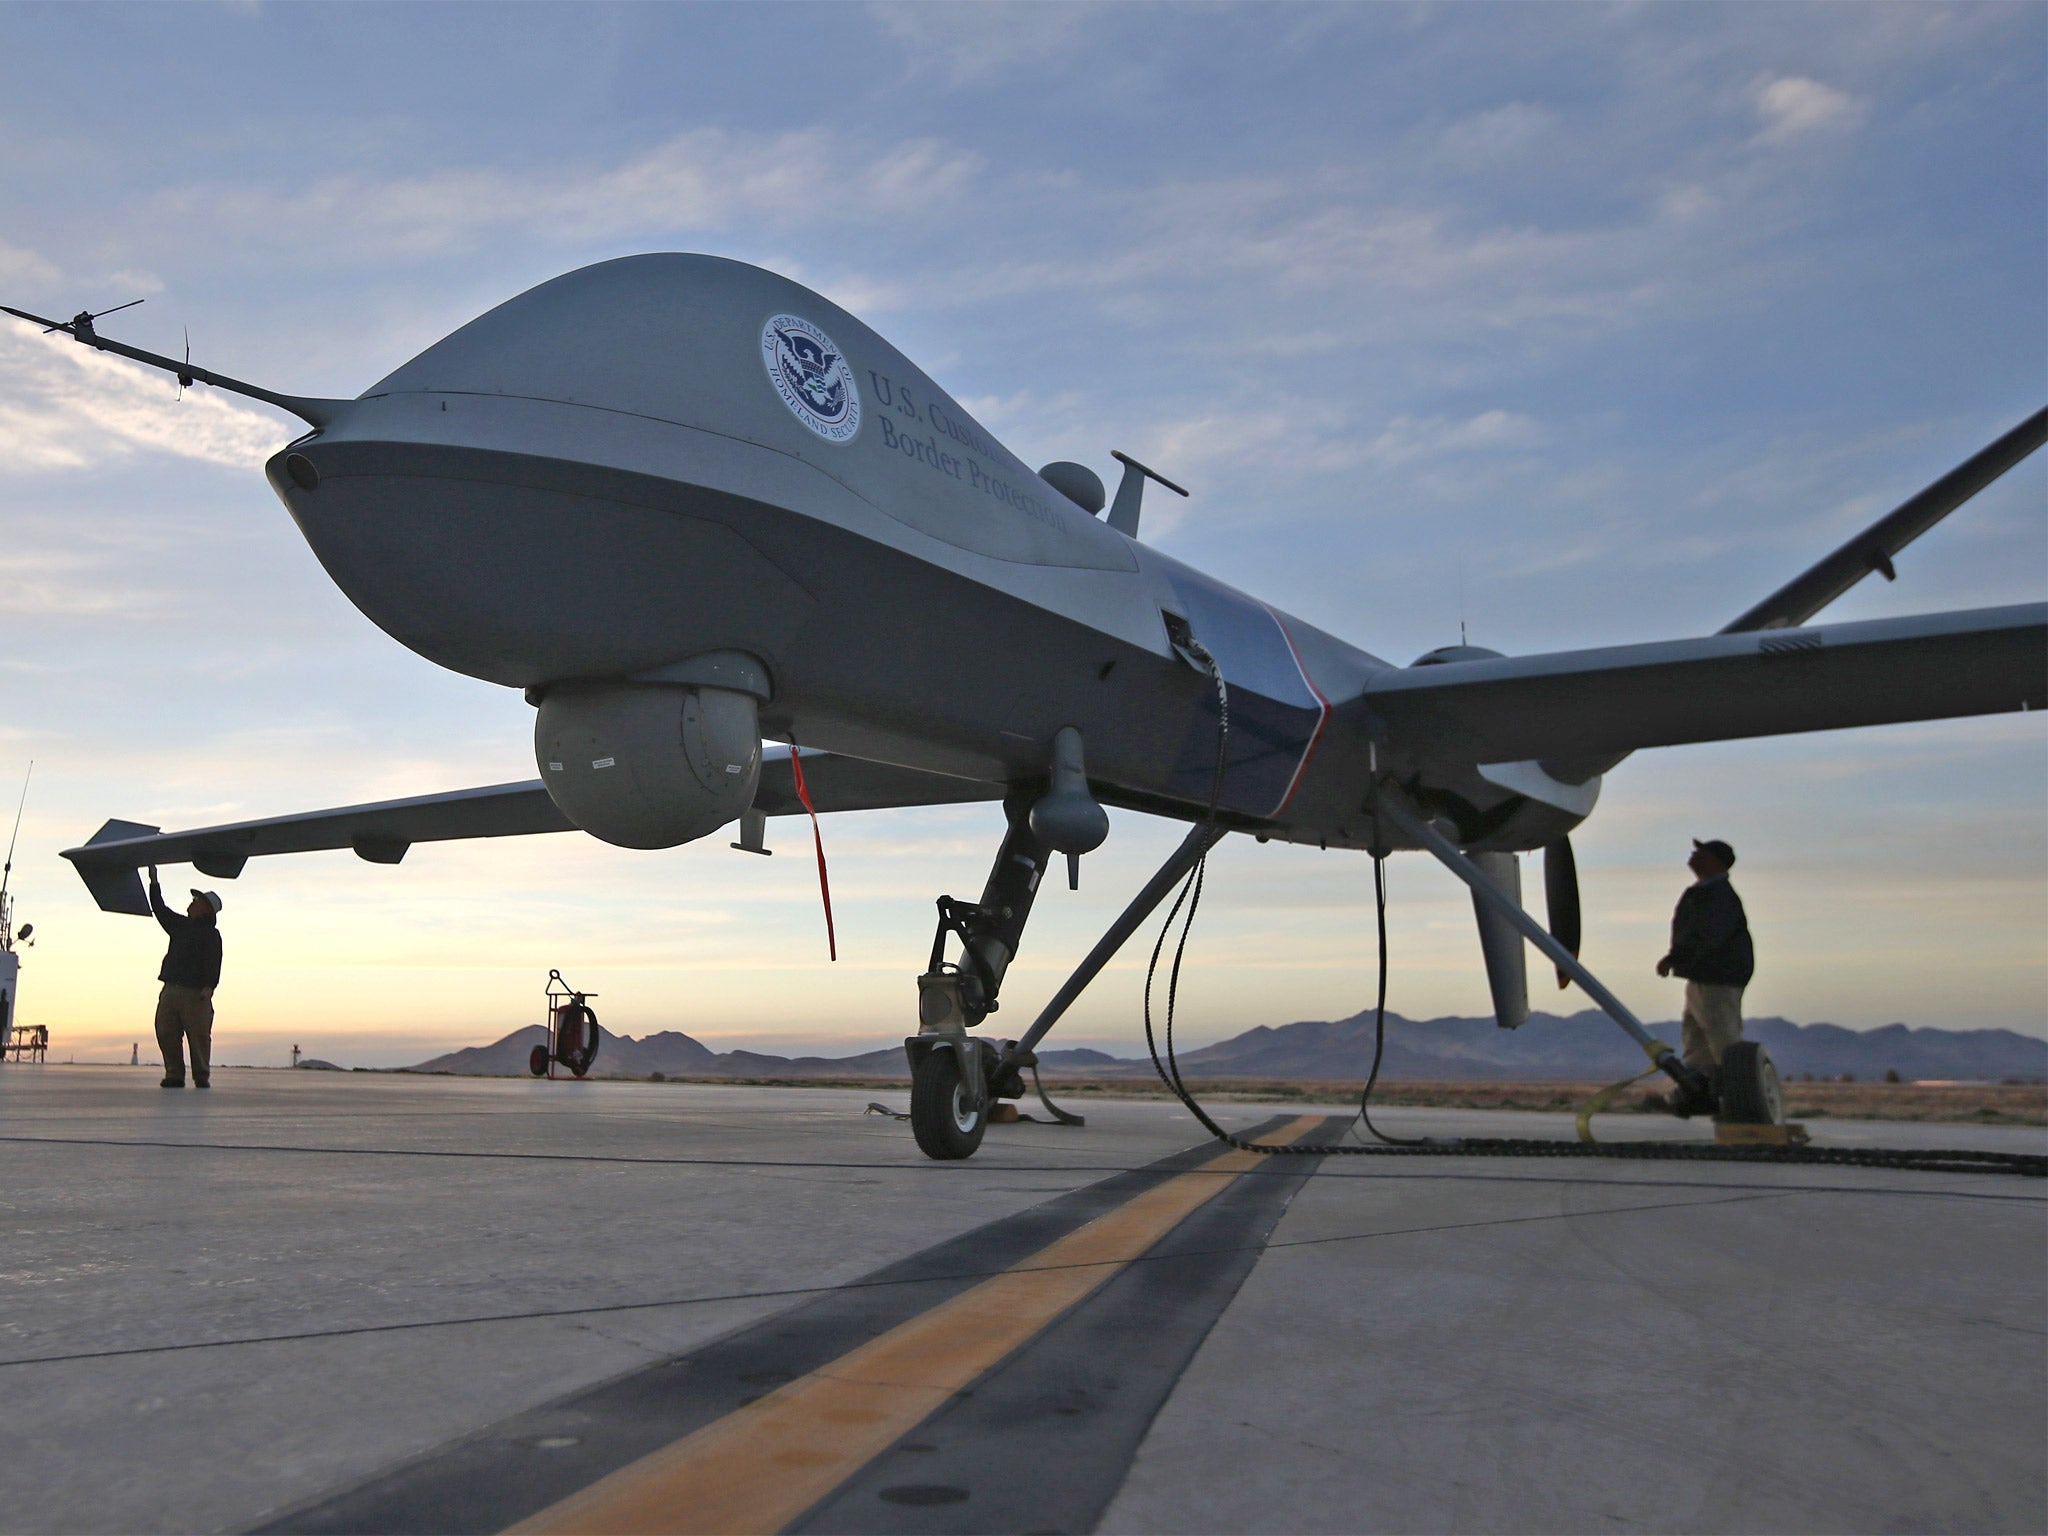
x=796 y=769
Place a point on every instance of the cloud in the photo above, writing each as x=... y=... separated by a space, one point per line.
x=1407 y=438
x=1323 y=264
x=21 y=267
x=1503 y=135
x=54 y=583
x=142 y=284
x=69 y=407
x=708 y=179
x=1792 y=105
x=967 y=43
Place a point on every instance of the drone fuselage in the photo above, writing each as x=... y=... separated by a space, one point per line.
x=636 y=465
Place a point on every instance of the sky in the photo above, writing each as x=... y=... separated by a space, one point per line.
x=1569 y=325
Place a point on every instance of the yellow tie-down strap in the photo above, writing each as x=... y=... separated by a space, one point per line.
x=1600 y=1100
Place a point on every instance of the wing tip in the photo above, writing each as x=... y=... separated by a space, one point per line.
x=115 y=883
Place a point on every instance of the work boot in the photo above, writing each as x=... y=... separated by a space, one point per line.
x=1680 y=1103
x=172 y=1082
x=1686 y=1105
x=202 y=1082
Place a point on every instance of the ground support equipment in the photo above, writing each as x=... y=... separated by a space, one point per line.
x=573 y=1033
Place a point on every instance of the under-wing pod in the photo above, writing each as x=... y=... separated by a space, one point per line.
x=648 y=765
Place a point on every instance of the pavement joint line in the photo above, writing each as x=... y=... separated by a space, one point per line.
x=1516 y=1221
x=816 y=1290
x=1328 y=1170
x=923 y=1165
x=784 y=1293
x=761 y=1467
x=795 y=1292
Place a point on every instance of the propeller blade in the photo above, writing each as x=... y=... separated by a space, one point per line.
x=1561 y=898
x=1505 y=950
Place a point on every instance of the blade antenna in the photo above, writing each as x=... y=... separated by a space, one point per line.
x=185 y=373
x=315 y=412
x=82 y=321
x=7 y=869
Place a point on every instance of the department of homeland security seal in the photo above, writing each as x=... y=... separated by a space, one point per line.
x=812 y=377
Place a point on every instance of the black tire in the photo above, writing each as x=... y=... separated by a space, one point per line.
x=537 y=1063
x=945 y=1128
x=1750 y=1092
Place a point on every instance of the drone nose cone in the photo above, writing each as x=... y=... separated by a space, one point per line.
x=524 y=567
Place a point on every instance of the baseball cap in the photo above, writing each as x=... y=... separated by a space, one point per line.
x=212 y=898
x=1718 y=849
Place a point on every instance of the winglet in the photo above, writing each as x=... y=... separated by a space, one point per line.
x=115 y=883
x=1871 y=550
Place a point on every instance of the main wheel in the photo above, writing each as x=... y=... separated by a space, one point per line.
x=943 y=1119
x=1750 y=1093
x=537 y=1062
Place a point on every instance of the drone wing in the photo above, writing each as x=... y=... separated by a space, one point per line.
x=1581 y=712
x=1595 y=704
x=382 y=832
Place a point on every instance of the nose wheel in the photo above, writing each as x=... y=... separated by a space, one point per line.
x=945 y=1116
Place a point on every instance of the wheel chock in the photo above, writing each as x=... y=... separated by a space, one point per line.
x=1727 y=1134
x=1002 y=1114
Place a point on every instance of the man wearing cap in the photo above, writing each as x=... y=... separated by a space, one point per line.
x=190 y=972
x=1710 y=948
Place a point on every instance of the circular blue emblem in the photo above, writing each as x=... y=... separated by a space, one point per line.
x=812 y=376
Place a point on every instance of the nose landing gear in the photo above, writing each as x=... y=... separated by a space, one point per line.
x=956 y=1078
x=949 y=1108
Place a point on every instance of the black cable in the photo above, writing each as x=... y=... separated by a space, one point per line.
x=1931 y=1160
x=1190 y=898
x=1379 y=1027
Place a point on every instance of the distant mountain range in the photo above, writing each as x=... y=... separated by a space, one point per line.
x=1580 y=1047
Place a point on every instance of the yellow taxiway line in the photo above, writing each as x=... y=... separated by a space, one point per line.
x=761 y=1466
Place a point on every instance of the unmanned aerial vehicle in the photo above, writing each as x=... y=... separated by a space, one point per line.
x=686 y=506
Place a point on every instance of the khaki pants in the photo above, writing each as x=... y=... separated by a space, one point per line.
x=1713 y=1022
x=185 y=1013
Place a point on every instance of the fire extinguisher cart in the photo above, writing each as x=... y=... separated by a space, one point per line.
x=572 y=1031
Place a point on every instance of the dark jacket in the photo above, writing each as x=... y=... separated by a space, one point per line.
x=193 y=960
x=1710 y=936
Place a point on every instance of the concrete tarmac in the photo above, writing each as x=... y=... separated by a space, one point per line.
x=317 y=1301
